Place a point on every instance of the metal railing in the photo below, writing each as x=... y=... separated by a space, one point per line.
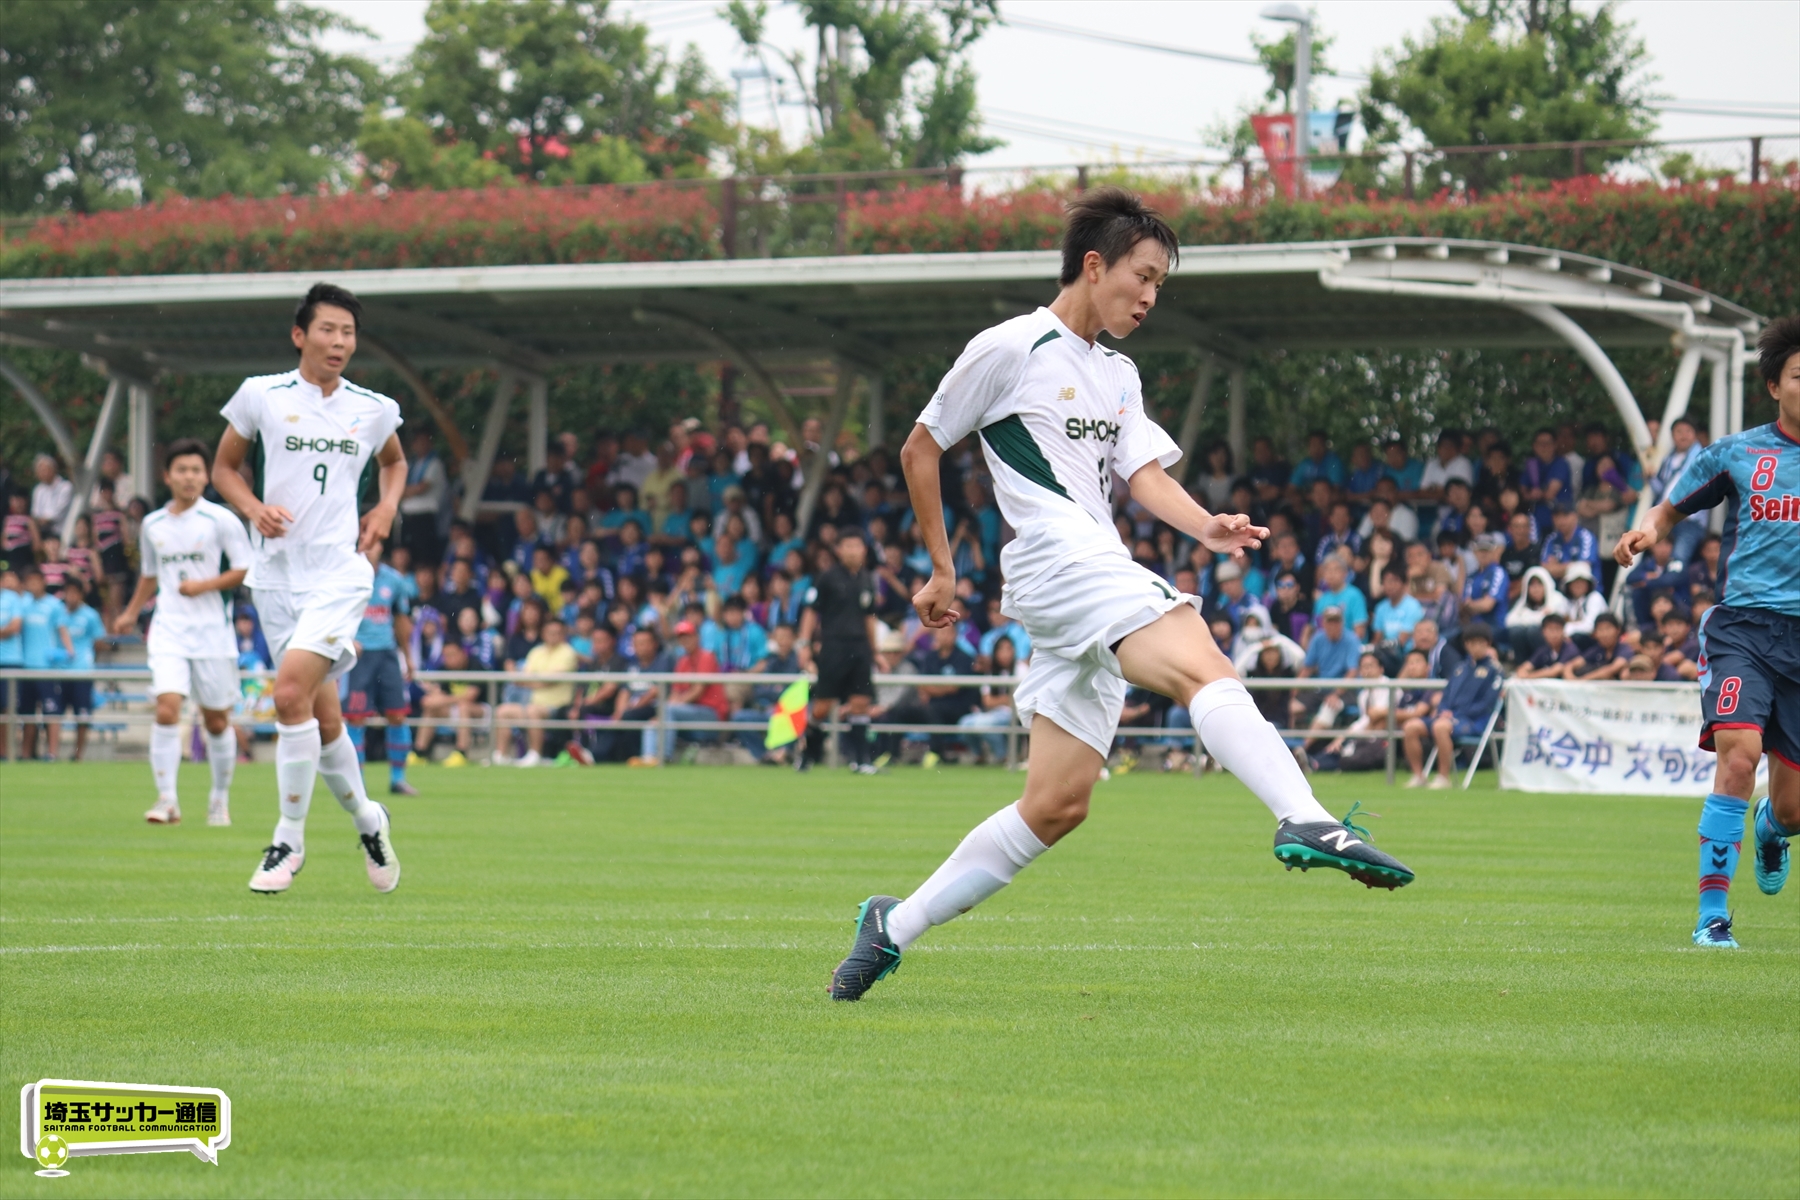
x=661 y=682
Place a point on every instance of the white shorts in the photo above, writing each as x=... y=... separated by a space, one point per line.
x=322 y=619
x=1075 y=616
x=209 y=682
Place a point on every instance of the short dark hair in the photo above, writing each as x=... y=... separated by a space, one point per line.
x=326 y=293
x=1554 y=619
x=1778 y=343
x=182 y=447
x=1607 y=618
x=1110 y=221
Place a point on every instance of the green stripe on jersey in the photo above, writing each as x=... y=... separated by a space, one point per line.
x=1048 y=337
x=1009 y=438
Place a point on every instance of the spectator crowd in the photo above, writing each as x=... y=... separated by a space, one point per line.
x=690 y=554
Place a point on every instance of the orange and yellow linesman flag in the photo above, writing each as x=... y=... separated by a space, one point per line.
x=788 y=721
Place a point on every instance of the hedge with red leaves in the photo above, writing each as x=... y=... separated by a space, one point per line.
x=1741 y=242
x=364 y=230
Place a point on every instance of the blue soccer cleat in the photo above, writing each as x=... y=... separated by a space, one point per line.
x=873 y=956
x=1714 y=933
x=1771 y=855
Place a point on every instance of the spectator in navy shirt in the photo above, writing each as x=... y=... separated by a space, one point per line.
x=1463 y=708
x=1545 y=477
x=1570 y=542
x=1484 y=595
x=1553 y=657
x=1338 y=532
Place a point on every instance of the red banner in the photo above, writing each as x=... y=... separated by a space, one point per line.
x=1275 y=134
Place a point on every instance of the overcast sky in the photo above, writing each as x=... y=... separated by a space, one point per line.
x=1062 y=99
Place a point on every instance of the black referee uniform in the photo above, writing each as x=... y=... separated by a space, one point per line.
x=843 y=603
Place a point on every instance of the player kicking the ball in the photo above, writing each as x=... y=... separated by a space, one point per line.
x=1750 y=640
x=1058 y=416
x=192 y=649
x=309 y=571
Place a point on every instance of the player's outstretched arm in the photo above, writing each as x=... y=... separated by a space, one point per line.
x=379 y=520
x=228 y=582
x=126 y=621
x=1652 y=529
x=270 y=520
x=919 y=459
x=1158 y=491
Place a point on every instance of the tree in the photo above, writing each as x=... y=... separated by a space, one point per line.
x=1511 y=71
x=554 y=91
x=104 y=102
x=889 y=84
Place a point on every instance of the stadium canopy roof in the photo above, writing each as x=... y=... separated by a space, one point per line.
x=1224 y=303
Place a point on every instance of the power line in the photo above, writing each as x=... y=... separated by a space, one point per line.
x=1725 y=108
x=1094 y=35
x=1059 y=122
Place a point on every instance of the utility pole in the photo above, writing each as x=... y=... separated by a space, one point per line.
x=1301 y=20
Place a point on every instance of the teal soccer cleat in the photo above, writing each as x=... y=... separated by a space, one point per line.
x=1771 y=854
x=1715 y=934
x=873 y=956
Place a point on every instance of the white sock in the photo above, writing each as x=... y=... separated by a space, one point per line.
x=221 y=754
x=343 y=775
x=1244 y=743
x=165 y=759
x=995 y=850
x=296 y=766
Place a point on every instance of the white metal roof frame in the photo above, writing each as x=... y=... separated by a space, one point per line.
x=1223 y=302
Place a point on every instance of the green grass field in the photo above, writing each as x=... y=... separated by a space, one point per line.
x=611 y=982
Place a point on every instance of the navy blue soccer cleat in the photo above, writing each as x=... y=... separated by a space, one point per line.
x=1772 y=855
x=1342 y=847
x=1714 y=933
x=873 y=956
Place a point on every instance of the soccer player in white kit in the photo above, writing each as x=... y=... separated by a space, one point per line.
x=1059 y=416
x=192 y=649
x=309 y=570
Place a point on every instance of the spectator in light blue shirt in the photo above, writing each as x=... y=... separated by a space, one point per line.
x=737 y=642
x=1320 y=463
x=82 y=627
x=1335 y=591
x=46 y=642
x=12 y=612
x=1402 y=468
x=1396 y=613
x=1002 y=626
x=729 y=567
x=1334 y=648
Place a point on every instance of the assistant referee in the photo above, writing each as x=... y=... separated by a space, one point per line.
x=839 y=623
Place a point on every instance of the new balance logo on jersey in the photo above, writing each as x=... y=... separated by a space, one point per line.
x=1773 y=508
x=1079 y=430
x=324 y=445
x=1339 y=838
x=1066 y=394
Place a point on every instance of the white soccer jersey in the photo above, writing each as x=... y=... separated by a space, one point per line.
x=1057 y=418
x=176 y=547
x=314 y=449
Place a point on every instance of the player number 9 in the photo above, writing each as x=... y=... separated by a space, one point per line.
x=319 y=474
x=1728 y=695
x=1764 y=477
